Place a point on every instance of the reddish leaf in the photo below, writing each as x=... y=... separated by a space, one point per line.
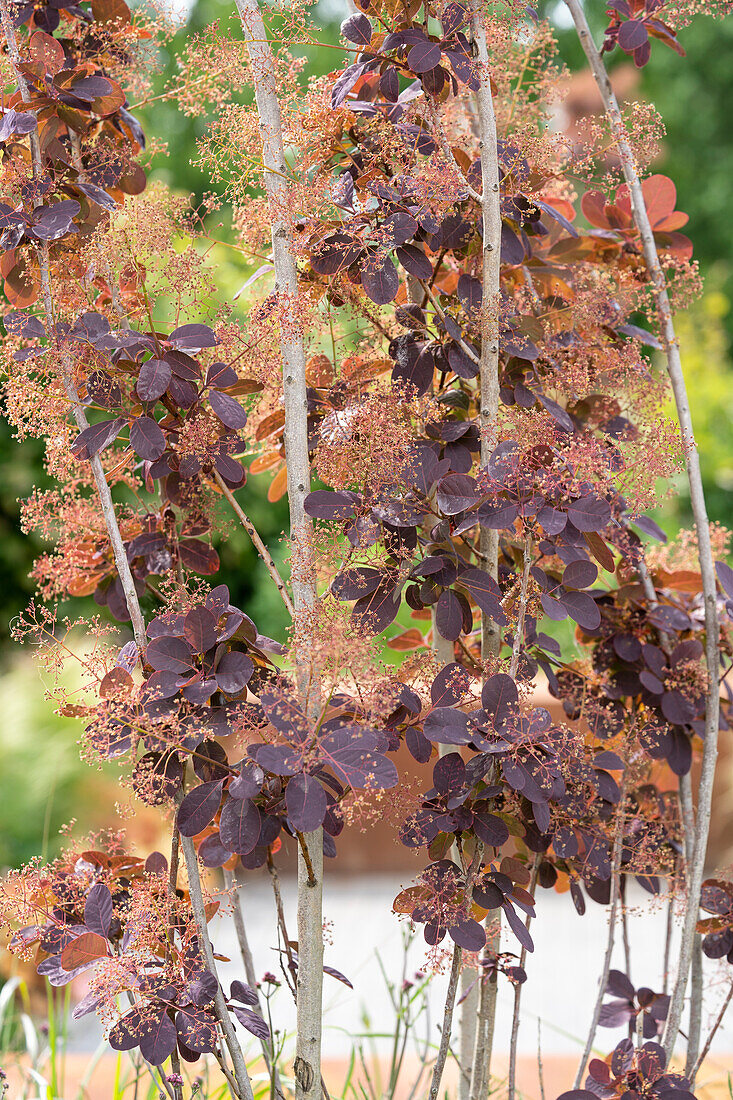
x=86 y=948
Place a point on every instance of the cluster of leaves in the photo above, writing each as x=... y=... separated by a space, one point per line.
x=118 y=910
x=633 y=24
x=627 y=1071
x=70 y=94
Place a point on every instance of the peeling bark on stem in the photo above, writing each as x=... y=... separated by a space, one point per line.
x=103 y=490
x=697 y=499
x=303 y=582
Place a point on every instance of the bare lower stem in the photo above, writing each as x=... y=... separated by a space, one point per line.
x=244 y=1086
x=603 y=980
x=511 y=1083
x=697 y=500
x=230 y=881
x=450 y=1000
x=257 y=542
x=709 y=1041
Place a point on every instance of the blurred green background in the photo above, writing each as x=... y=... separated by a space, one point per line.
x=44 y=784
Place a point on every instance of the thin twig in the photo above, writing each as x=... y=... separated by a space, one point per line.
x=603 y=980
x=257 y=542
x=450 y=996
x=709 y=1041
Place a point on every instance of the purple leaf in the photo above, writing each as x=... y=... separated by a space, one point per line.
x=485 y=592
x=499 y=696
x=376 y=611
x=199 y=807
x=168 y=654
x=228 y=410
x=490 y=829
x=252 y=1022
x=147 y=438
x=234 y=672
x=199 y=629
x=154 y=379
x=424 y=56
x=240 y=991
x=158 y=1039
x=95 y=438
x=98 y=909
x=193 y=337
x=333 y=973
x=380 y=283
x=306 y=802
x=450 y=685
x=358 y=29
x=414 y=260
x=447 y=726
x=580 y=574
x=582 y=608
x=197 y=1030
x=632 y=34
x=725 y=576
x=327 y=505
x=449 y=615
x=590 y=513
x=518 y=927
x=468 y=934
x=239 y=828
x=456 y=493
x=470 y=292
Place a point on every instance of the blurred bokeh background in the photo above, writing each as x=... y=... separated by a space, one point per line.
x=44 y=782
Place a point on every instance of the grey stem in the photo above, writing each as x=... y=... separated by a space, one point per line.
x=450 y=996
x=307 y=1066
x=244 y=1086
x=450 y=1000
x=103 y=490
x=603 y=980
x=512 y=1079
x=522 y=611
x=257 y=542
x=708 y=1043
x=489 y=428
x=697 y=500
x=232 y=885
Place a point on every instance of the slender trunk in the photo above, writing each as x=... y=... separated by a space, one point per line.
x=450 y=997
x=103 y=490
x=511 y=1084
x=603 y=980
x=687 y=814
x=697 y=499
x=450 y=1000
x=172 y=886
x=303 y=578
x=489 y=429
x=244 y=1086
